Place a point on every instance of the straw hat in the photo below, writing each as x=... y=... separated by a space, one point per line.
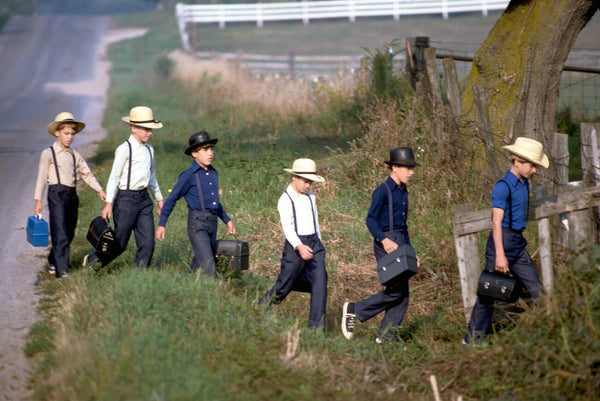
x=305 y=168
x=402 y=157
x=142 y=117
x=62 y=118
x=530 y=150
x=198 y=140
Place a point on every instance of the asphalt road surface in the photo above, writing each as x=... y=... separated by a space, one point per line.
x=48 y=64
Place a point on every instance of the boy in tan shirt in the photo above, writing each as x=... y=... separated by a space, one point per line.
x=59 y=167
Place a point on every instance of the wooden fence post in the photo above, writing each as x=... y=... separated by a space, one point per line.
x=432 y=75
x=469 y=266
x=451 y=81
x=590 y=164
x=580 y=231
x=559 y=154
x=545 y=246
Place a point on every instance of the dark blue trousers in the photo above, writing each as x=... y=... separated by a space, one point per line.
x=392 y=301
x=63 y=204
x=202 y=231
x=520 y=265
x=132 y=212
x=304 y=276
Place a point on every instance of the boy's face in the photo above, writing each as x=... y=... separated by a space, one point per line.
x=402 y=174
x=204 y=156
x=301 y=184
x=524 y=169
x=65 y=134
x=141 y=134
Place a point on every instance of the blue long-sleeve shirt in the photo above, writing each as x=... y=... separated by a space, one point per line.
x=186 y=187
x=378 y=215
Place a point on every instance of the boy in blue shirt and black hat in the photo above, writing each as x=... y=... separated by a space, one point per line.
x=199 y=184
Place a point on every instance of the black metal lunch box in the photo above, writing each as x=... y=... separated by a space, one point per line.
x=235 y=251
x=104 y=240
x=398 y=265
x=498 y=286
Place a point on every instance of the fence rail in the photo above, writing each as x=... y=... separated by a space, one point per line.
x=306 y=10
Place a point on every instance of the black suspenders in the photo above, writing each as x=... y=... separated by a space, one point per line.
x=56 y=166
x=199 y=190
x=294 y=211
x=130 y=161
x=510 y=216
x=390 y=204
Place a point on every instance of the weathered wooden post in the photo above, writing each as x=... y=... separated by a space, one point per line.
x=559 y=156
x=590 y=164
x=580 y=234
x=545 y=246
x=415 y=58
x=452 y=87
x=467 y=223
x=432 y=75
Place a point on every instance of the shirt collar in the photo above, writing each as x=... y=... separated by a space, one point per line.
x=196 y=167
x=392 y=184
x=134 y=143
x=513 y=180
x=292 y=192
x=58 y=148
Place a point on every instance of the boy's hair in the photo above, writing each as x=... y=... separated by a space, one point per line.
x=61 y=125
x=207 y=146
x=514 y=158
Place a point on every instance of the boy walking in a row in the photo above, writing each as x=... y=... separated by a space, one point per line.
x=59 y=168
x=132 y=180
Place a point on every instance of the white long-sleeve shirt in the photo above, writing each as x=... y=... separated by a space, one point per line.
x=143 y=170
x=304 y=215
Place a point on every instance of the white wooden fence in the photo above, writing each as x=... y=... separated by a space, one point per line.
x=307 y=10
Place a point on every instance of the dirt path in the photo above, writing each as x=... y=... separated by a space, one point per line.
x=46 y=70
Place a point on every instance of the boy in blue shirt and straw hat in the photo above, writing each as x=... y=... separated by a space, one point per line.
x=505 y=250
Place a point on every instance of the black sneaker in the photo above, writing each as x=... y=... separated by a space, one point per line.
x=348 y=319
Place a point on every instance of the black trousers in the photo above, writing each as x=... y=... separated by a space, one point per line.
x=132 y=212
x=392 y=301
x=63 y=204
x=304 y=276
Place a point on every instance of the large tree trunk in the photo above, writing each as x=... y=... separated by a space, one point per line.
x=519 y=66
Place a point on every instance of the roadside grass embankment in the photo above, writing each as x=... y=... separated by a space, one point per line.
x=165 y=333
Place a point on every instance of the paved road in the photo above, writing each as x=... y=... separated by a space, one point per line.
x=48 y=64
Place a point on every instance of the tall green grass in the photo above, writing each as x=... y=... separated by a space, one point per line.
x=164 y=333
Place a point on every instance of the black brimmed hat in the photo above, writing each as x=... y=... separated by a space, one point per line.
x=198 y=140
x=403 y=156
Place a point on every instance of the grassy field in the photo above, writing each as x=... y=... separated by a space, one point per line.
x=166 y=334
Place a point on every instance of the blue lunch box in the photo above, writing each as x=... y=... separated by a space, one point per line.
x=37 y=231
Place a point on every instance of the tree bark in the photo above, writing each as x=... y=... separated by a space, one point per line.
x=519 y=67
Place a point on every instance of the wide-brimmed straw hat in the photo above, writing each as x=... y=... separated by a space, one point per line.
x=530 y=150
x=142 y=116
x=305 y=168
x=64 y=118
x=198 y=140
x=402 y=157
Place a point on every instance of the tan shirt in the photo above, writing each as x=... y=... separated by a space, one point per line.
x=64 y=158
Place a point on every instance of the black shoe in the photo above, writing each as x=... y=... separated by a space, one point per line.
x=348 y=319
